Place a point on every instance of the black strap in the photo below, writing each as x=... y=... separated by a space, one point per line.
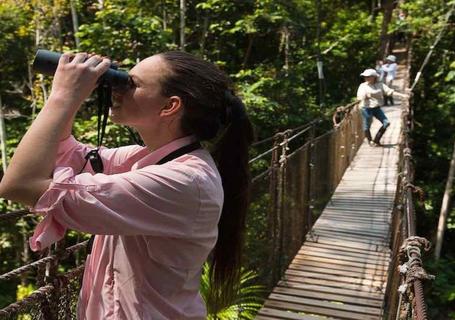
x=180 y=152
x=171 y=156
x=104 y=103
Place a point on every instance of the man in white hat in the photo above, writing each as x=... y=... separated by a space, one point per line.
x=370 y=94
x=390 y=69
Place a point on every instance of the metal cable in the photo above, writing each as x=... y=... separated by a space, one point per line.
x=427 y=58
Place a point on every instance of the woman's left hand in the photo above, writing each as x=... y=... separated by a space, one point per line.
x=75 y=79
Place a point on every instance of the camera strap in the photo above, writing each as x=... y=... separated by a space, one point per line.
x=171 y=156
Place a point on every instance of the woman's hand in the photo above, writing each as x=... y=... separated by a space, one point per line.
x=75 y=80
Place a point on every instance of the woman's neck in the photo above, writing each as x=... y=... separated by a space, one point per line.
x=154 y=139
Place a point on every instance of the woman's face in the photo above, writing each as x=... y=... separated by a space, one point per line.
x=140 y=105
x=371 y=79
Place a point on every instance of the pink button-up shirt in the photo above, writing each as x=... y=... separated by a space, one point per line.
x=155 y=226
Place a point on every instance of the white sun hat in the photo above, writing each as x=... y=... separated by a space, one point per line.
x=391 y=58
x=369 y=73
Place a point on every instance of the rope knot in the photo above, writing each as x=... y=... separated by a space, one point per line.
x=412 y=269
x=417 y=190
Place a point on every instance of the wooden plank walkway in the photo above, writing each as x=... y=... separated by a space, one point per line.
x=341 y=270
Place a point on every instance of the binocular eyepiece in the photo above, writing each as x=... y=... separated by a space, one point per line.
x=46 y=62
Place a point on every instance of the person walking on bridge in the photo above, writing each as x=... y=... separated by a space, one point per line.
x=158 y=211
x=390 y=73
x=370 y=94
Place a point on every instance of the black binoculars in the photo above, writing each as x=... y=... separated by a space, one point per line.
x=46 y=62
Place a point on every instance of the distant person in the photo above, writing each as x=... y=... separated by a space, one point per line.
x=390 y=70
x=380 y=70
x=370 y=94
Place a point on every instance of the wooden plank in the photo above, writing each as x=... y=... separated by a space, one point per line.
x=269 y=314
x=318 y=310
x=304 y=254
x=376 y=227
x=336 y=246
x=380 y=223
x=326 y=304
x=329 y=297
x=335 y=261
x=331 y=290
x=375 y=256
x=349 y=237
x=289 y=279
x=349 y=232
x=342 y=237
x=385 y=220
x=324 y=276
x=358 y=210
x=337 y=272
x=346 y=243
x=303 y=264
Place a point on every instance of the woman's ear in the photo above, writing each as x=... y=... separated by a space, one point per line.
x=173 y=106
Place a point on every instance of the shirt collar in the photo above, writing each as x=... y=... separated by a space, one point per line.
x=161 y=152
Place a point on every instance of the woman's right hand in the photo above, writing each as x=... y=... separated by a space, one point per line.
x=75 y=79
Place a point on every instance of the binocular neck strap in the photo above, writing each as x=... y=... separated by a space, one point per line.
x=104 y=104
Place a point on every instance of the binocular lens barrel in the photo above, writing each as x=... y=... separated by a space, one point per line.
x=46 y=62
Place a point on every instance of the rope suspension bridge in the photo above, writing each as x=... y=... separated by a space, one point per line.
x=340 y=232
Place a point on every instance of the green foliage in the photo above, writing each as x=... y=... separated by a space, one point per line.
x=243 y=306
x=441 y=298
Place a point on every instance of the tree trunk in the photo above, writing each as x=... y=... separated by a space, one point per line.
x=205 y=27
x=75 y=22
x=445 y=207
x=385 y=37
x=164 y=15
x=248 y=49
x=182 y=24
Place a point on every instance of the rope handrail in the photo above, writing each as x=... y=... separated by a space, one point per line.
x=14 y=214
x=41 y=293
x=61 y=255
x=309 y=124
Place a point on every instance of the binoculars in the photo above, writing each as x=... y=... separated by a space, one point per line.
x=46 y=62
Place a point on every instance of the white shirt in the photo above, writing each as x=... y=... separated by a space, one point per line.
x=372 y=95
x=391 y=69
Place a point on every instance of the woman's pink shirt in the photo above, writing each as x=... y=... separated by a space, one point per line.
x=155 y=226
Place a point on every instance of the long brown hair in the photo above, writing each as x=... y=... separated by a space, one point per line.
x=213 y=112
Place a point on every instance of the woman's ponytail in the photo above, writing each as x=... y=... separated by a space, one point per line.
x=231 y=155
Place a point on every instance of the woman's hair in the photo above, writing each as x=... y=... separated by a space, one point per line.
x=212 y=112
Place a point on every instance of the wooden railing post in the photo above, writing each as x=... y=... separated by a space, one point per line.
x=273 y=219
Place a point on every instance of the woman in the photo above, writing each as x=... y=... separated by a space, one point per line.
x=156 y=216
x=370 y=94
